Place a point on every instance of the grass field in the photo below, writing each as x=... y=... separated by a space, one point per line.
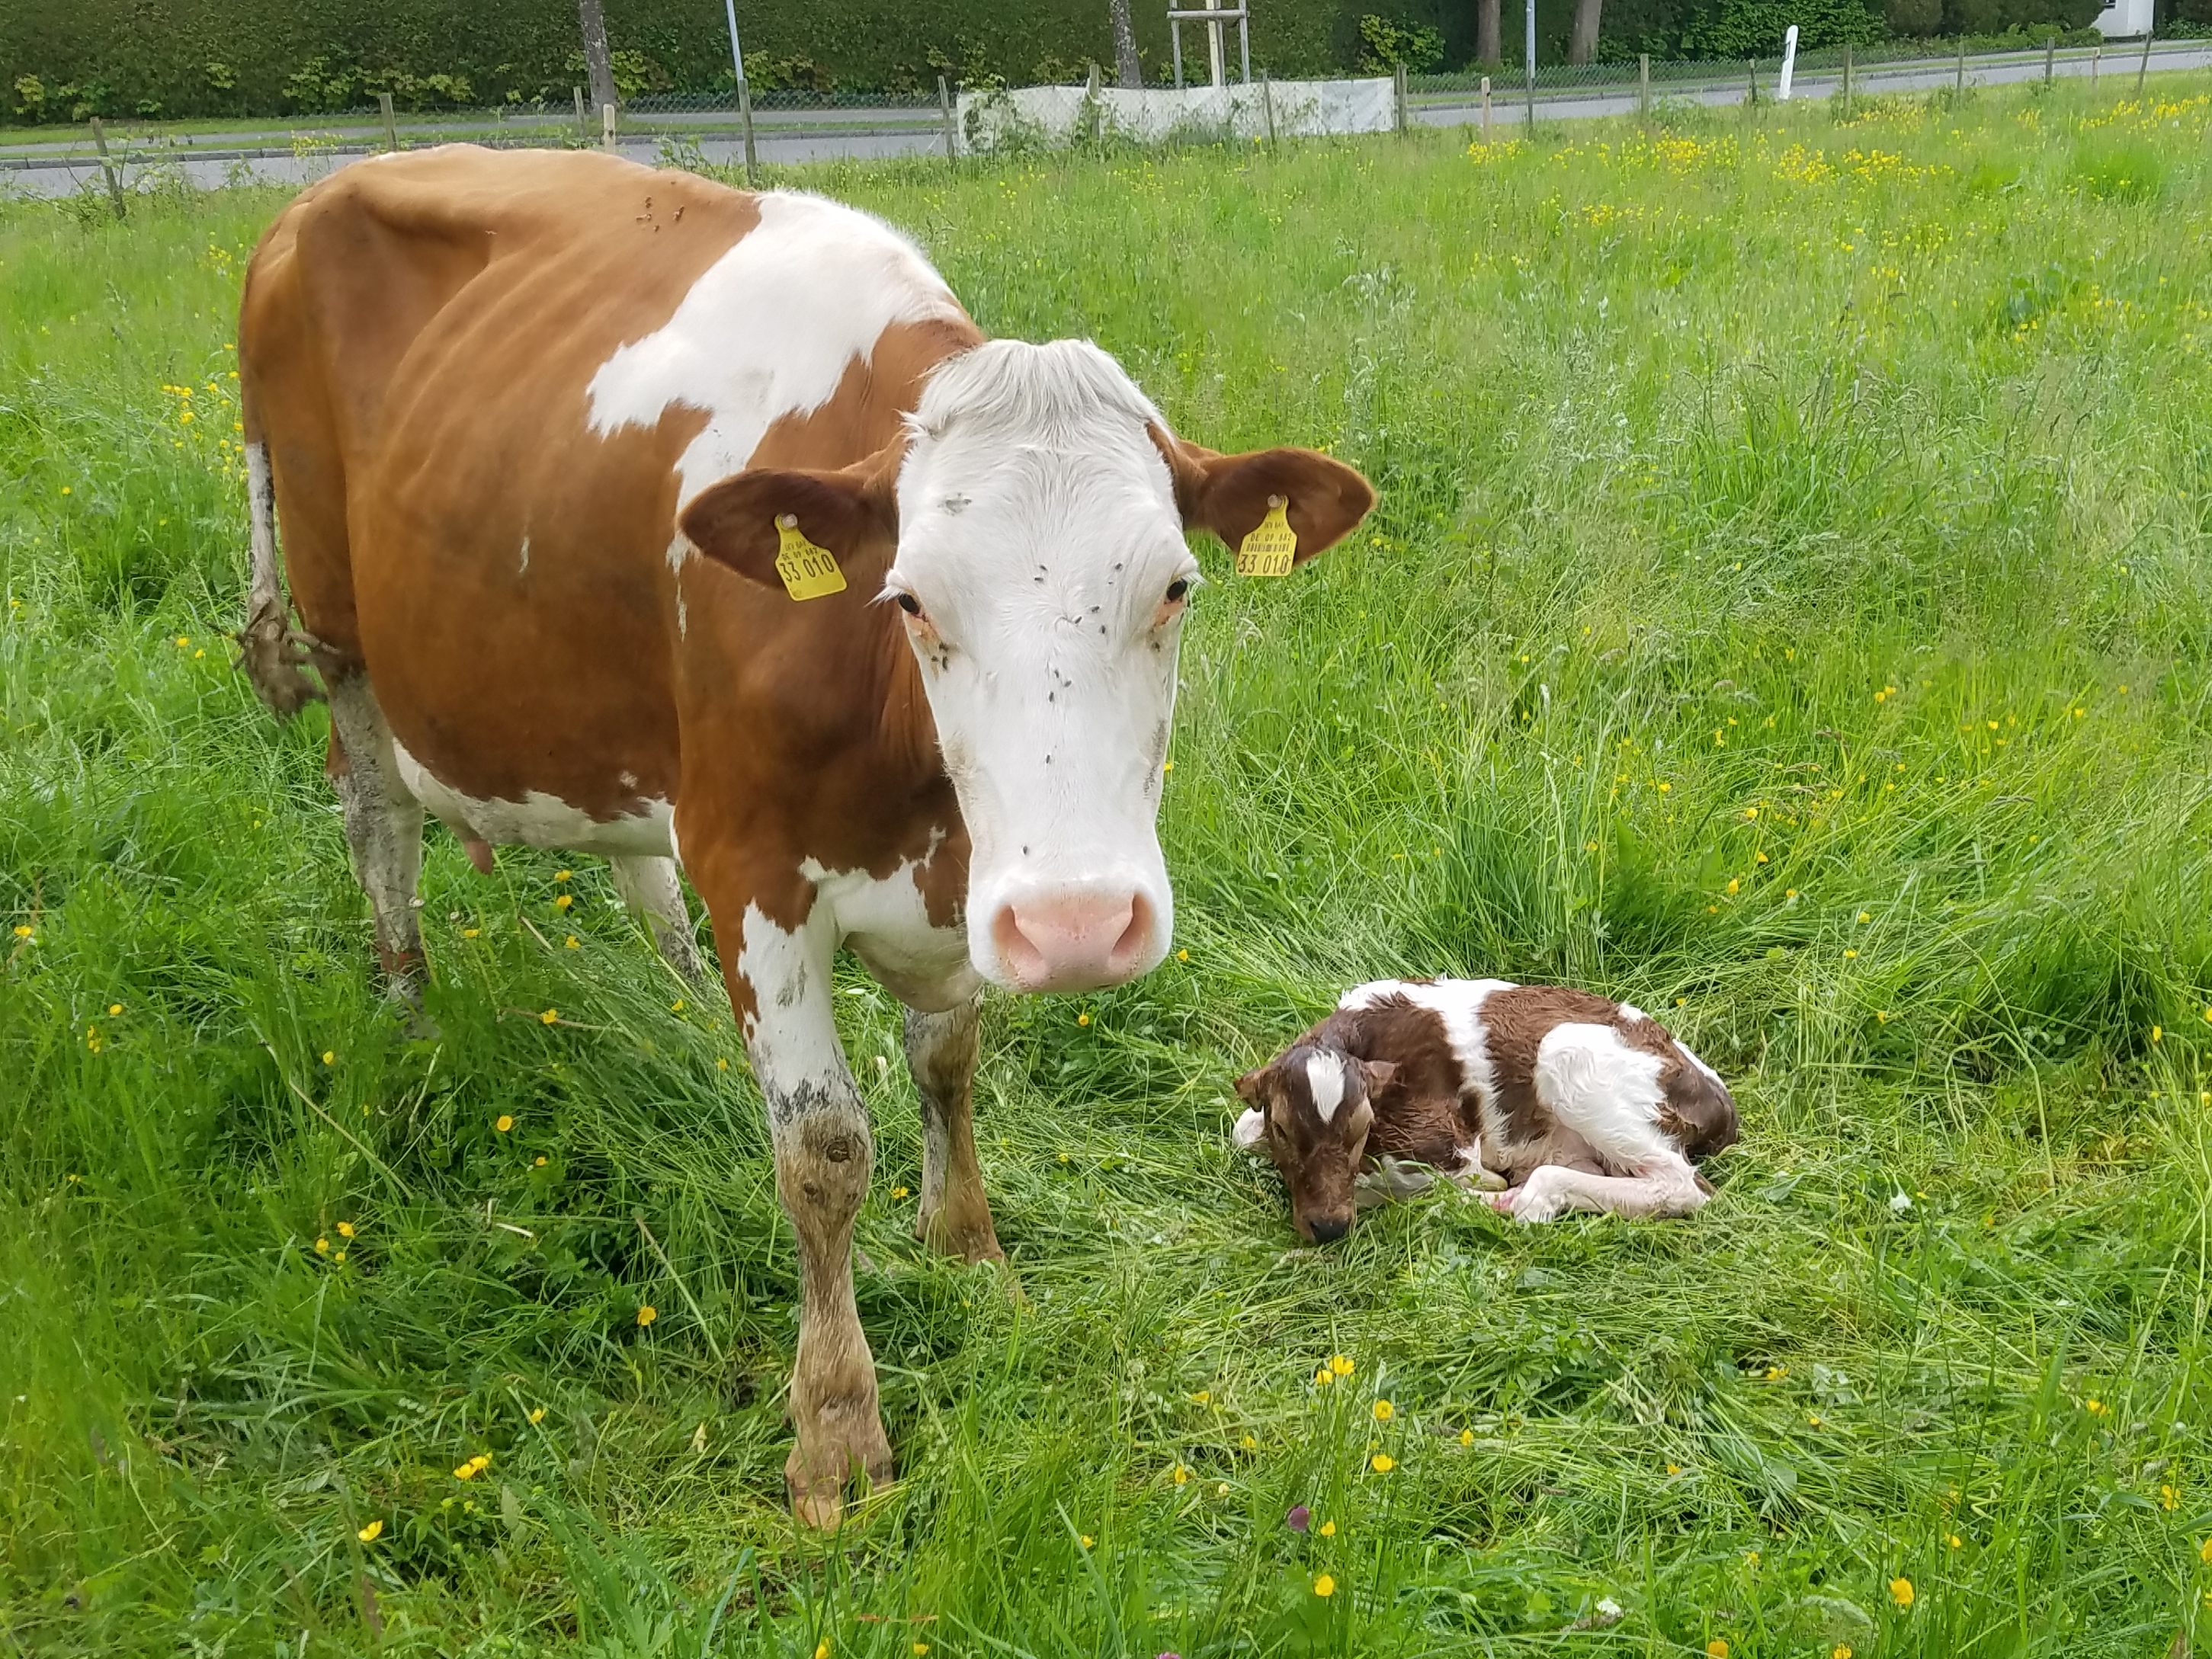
x=1788 y=608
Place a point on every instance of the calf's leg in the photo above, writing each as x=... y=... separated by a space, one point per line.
x=650 y=888
x=1667 y=1189
x=955 y=1214
x=778 y=983
x=383 y=828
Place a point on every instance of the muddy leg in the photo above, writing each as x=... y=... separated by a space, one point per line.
x=956 y=1213
x=650 y=888
x=383 y=828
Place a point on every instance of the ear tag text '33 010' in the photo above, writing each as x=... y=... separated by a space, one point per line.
x=1270 y=549
x=809 y=572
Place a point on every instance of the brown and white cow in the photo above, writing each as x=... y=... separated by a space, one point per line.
x=538 y=428
x=1556 y=1099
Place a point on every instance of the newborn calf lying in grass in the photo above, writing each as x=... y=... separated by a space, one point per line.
x=1554 y=1099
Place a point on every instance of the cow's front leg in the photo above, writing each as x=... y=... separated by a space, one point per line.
x=779 y=985
x=955 y=1215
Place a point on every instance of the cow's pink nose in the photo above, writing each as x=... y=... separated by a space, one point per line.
x=1073 y=941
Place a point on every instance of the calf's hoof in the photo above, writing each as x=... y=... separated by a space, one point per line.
x=823 y=1463
x=967 y=1240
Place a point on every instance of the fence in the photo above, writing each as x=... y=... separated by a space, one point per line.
x=789 y=126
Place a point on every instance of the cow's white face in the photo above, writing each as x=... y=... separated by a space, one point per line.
x=1035 y=513
x=1043 y=577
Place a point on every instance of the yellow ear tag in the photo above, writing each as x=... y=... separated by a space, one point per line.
x=809 y=572
x=1269 y=550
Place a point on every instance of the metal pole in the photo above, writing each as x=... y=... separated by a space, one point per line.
x=2144 y=68
x=2096 y=61
x=391 y=123
x=1528 y=66
x=583 y=120
x=1244 y=39
x=1642 y=86
x=107 y=167
x=1486 y=109
x=1398 y=92
x=736 y=52
x=745 y=121
x=1847 y=80
x=944 y=103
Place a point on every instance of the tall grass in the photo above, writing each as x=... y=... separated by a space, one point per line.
x=1788 y=608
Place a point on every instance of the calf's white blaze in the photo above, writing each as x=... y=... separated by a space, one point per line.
x=1039 y=532
x=1325 y=1076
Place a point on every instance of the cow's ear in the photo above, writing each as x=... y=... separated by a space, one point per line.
x=745 y=521
x=1248 y=1086
x=1322 y=499
x=1251 y=1128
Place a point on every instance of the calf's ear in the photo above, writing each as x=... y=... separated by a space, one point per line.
x=742 y=521
x=1251 y=1128
x=1322 y=499
x=1379 y=1075
x=1248 y=1086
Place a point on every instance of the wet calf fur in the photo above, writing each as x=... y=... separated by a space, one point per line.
x=1557 y=1099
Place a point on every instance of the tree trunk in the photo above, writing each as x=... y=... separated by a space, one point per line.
x=1486 y=45
x=1584 y=44
x=1127 y=69
x=596 y=64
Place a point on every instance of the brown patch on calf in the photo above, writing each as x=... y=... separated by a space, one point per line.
x=1517 y=1020
x=1698 y=1112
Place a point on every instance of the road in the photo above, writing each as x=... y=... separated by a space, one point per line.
x=268 y=156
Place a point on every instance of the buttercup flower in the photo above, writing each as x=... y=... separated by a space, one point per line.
x=475 y=1466
x=371 y=1533
x=1325 y=1586
x=1900 y=1591
x=345 y=1229
x=1341 y=1363
x=1717 y=1649
x=1382 y=1462
x=503 y=1122
x=648 y=1314
x=1384 y=1410
x=1327 y=1529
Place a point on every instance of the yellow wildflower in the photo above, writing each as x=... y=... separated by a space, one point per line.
x=573 y=943
x=371 y=1533
x=898 y=1192
x=1083 y=1019
x=536 y=1415
x=345 y=1229
x=564 y=901
x=1384 y=1410
x=322 y=1247
x=1900 y=1591
x=503 y=1122
x=648 y=1314
x=1182 y=1476
x=113 y=1009
x=1383 y=1463
x=549 y=1016
x=1327 y=1529
x=1341 y=1363
x=1324 y=1586
x=1717 y=1649
x=1466 y=1436
x=475 y=1466
x=1088 y=1540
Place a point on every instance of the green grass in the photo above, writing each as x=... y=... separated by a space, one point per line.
x=1788 y=607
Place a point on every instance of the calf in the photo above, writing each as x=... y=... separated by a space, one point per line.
x=1556 y=1099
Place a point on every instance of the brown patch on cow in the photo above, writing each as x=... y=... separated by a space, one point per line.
x=1421 y=1114
x=1517 y=1019
x=1697 y=1112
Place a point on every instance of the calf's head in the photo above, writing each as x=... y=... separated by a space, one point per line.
x=1033 y=516
x=1310 y=1109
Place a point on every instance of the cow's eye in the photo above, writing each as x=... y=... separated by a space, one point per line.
x=911 y=605
x=1178 y=588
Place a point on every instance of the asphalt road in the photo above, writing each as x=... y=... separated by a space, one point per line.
x=209 y=161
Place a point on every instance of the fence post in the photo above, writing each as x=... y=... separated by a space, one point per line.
x=1531 y=89
x=1847 y=80
x=1751 y=82
x=944 y=104
x=2050 y=57
x=1958 y=83
x=1267 y=105
x=390 y=122
x=583 y=121
x=607 y=128
x=107 y=167
x=1090 y=102
x=2096 y=63
x=745 y=121
x=2144 y=68
x=1642 y=86
x=1398 y=92
x=1486 y=109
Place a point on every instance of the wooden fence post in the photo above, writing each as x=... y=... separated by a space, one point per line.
x=2096 y=63
x=944 y=104
x=107 y=167
x=1267 y=105
x=2050 y=58
x=1398 y=94
x=1958 y=83
x=583 y=119
x=1642 y=86
x=1751 y=83
x=1486 y=109
x=391 y=121
x=2144 y=68
x=745 y=121
x=607 y=127
x=1847 y=80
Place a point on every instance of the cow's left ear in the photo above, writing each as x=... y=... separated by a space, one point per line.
x=1251 y=1128
x=1322 y=499
x=742 y=521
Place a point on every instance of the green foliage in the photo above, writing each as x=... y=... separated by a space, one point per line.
x=1385 y=45
x=1857 y=477
x=1754 y=28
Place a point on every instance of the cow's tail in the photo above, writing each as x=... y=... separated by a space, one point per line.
x=271 y=654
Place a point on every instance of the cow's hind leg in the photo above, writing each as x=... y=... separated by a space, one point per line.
x=383 y=828
x=955 y=1214
x=650 y=888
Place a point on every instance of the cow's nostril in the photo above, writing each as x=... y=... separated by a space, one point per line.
x=1136 y=938
x=1023 y=959
x=1326 y=1229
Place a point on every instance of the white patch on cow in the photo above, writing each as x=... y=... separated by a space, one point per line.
x=523 y=569
x=1051 y=689
x=541 y=820
x=1458 y=1003
x=1251 y=1128
x=267 y=582
x=1668 y=1190
x=1630 y=1011
x=790 y=1034
x=886 y=921
x=1325 y=1076
x=1604 y=1092
x=768 y=331
x=1699 y=1064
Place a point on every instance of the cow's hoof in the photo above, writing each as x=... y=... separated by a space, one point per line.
x=821 y=1467
x=964 y=1241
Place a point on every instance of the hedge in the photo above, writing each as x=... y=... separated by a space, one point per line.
x=63 y=60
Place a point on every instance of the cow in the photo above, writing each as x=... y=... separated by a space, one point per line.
x=1548 y=1098
x=627 y=513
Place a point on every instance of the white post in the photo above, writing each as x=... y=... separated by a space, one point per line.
x=1788 y=63
x=606 y=126
x=1486 y=109
x=1215 y=59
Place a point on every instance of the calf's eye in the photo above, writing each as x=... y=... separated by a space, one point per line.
x=911 y=605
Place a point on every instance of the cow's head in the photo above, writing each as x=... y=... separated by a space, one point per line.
x=1037 y=504
x=1309 y=1109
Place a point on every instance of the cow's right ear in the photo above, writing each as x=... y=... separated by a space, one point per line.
x=742 y=521
x=1248 y=1086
